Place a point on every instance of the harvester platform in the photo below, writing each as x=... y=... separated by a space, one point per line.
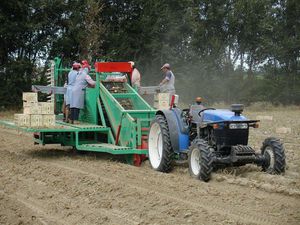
x=84 y=137
x=59 y=127
x=110 y=148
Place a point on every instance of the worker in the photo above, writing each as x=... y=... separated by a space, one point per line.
x=195 y=109
x=198 y=101
x=78 y=91
x=135 y=77
x=64 y=107
x=69 y=85
x=167 y=85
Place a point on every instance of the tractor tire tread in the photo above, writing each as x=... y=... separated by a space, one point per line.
x=206 y=161
x=168 y=153
x=279 y=155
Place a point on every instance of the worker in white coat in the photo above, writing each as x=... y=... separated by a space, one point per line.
x=135 y=77
x=82 y=81
x=70 y=83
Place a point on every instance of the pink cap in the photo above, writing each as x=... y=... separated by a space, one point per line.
x=166 y=65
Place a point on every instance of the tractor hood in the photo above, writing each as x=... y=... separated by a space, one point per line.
x=221 y=115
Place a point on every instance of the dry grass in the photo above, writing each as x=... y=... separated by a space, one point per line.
x=9 y=114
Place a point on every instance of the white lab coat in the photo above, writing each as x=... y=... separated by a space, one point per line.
x=78 y=90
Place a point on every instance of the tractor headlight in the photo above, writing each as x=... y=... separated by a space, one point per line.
x=238 y=126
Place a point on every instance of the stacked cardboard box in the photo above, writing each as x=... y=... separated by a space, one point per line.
x=35 y=114
x=162 y=100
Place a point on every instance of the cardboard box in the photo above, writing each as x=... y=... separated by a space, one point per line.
x=36 y=120
x=22 y=120
x=30 y=97
x=28 y=104
x=264 y=118
x=162 y=105
x=48 y=120
x=283 y=130
x=47 y=108
x=33 y=108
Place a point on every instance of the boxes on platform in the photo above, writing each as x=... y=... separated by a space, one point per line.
x=48 y=120
x=162 y=97
x=47 y=108
x=161 y=100
x=36 y=120
x=28 y=104
x=30 y=97
x=33 y=108
x=22 y=120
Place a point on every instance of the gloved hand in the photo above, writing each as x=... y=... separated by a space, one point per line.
x=157 y=89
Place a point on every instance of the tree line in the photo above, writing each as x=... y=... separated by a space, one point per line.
x=223 y=50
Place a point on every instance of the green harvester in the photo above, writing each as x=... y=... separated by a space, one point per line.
x=115 y=119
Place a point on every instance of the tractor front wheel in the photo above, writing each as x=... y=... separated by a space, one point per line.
x=160 y=150
x=273 y=152
x=200 y=160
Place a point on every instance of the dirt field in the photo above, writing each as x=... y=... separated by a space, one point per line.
x=54 y=185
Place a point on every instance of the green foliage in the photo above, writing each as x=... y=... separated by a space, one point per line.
x=222 y=50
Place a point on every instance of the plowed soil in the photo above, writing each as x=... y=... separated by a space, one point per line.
x=55 y=185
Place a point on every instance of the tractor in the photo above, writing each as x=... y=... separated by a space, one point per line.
x=210 y=139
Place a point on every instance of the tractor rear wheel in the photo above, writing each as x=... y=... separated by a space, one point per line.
x=160 y=149
x=200 y=160
x=273 y=152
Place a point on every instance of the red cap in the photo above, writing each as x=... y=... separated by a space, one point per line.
x=85 y=64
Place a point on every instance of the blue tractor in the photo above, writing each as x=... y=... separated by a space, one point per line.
x=209 y=139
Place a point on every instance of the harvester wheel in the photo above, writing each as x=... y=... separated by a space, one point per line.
x=200 y=160
x=160 y=149
x=273 y=152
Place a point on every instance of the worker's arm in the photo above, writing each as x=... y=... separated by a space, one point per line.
x=166 y=79
x=90 y=81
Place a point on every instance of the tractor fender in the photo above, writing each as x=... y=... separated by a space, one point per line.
x=178 y=133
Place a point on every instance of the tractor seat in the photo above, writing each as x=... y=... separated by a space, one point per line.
x=194 y=113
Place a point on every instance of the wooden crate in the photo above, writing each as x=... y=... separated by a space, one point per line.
x=162 y=97
x=33 y=108
x=47 y=108
x=28 y=104
x=36 y=120
x=162 y=105
x=22 y=120
x=30 y=97
x=48 y=120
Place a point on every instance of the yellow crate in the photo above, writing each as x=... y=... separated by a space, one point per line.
x=22 y=120
x=47 y=108
x=36 y=120
x=48 y=120
x=30 y=97
x=33 y=108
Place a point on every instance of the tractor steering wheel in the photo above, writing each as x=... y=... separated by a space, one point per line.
x=199 y=113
